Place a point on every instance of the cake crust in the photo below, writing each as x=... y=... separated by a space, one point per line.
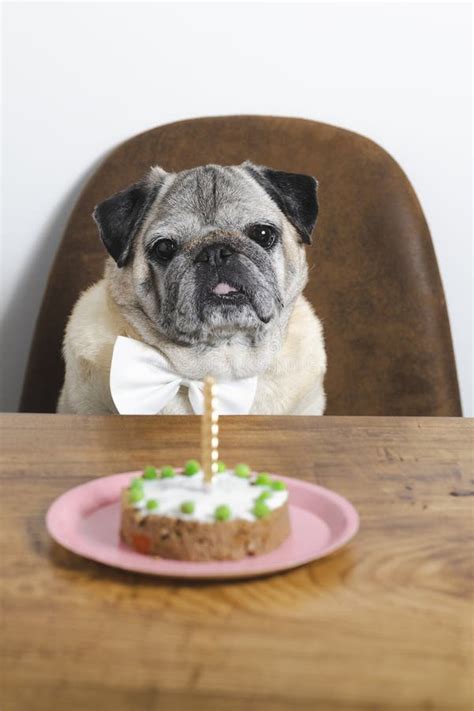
x=180 y=539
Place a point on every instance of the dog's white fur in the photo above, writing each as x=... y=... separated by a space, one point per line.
x=291 y=383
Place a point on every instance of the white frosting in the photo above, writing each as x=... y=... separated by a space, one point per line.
x=226 y=488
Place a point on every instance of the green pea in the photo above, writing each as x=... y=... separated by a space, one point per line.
x=221 y=467
x=278 y=485
x=264 y=495
x=167 y=472
x=260 y=509
x=222 y=512
x=242 y=470
x=188 y=507
x=150 y=473
x=191 y=467
x=135 y=495
x=136 y=484
x=152 y=504
x=263 y=479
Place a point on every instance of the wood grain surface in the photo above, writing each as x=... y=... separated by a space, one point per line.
x=386 y=623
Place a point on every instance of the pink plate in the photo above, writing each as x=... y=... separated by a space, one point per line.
x=86 y=521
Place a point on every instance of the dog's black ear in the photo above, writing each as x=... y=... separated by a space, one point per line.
x=294 y=193
x=119 y=218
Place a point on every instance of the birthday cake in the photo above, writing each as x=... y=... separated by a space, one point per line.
x=176 y=513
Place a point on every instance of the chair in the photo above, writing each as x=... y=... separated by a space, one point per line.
x=374 y=279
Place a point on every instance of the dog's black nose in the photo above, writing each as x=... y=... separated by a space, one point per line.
x=215 y=254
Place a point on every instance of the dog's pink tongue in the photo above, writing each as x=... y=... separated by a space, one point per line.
x=223 y=288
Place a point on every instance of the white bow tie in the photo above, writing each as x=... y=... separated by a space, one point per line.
x=142 y=383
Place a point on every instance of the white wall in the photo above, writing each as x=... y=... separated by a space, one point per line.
x=81 y=77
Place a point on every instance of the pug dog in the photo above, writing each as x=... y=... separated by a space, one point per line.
x=206 y=267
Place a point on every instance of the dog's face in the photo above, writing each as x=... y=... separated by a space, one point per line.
x=210 y=252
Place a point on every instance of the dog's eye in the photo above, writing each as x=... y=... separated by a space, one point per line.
x=264 y=235
x=164 y=250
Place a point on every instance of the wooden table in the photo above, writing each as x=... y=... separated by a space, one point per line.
x=383 y=624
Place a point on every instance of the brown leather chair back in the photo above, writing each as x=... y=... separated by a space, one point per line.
x=374 y=279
